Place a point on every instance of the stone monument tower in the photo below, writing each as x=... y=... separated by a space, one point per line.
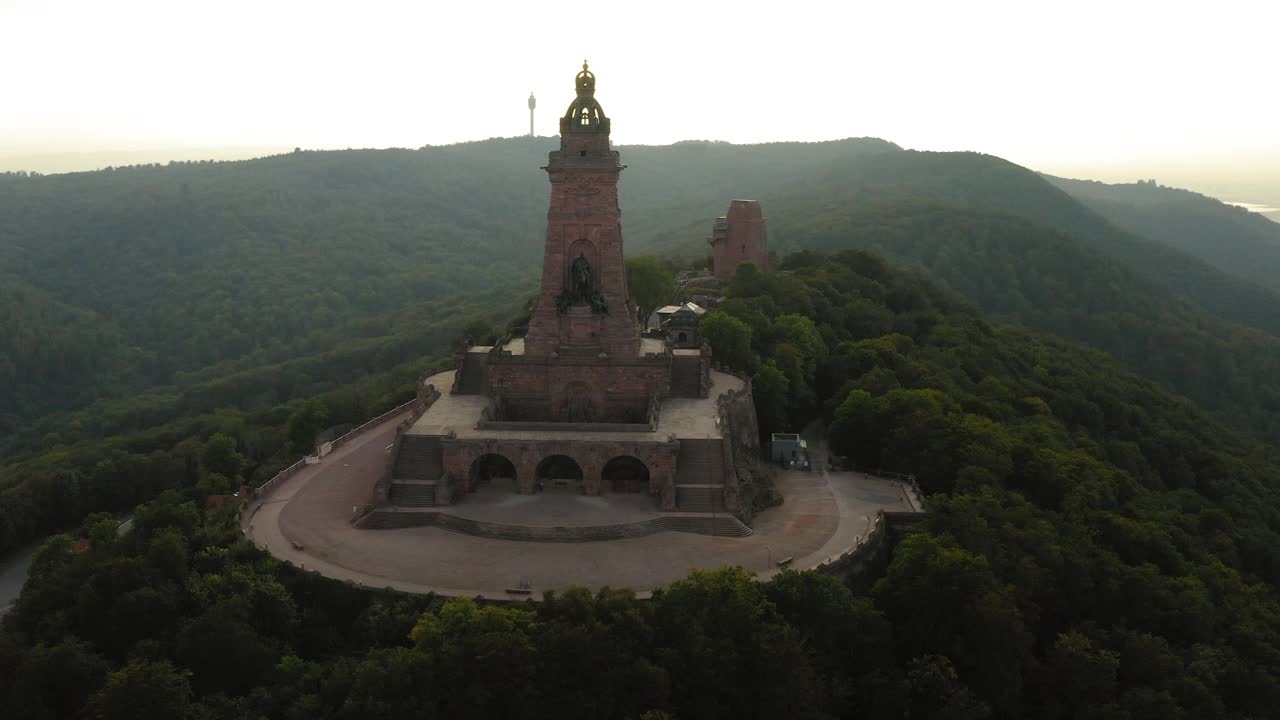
x=580 y=401
x=583 y=307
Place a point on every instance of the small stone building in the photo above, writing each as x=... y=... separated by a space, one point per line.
x=680 y=324
x=788 y=449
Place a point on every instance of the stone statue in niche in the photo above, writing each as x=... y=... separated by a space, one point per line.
x=581 y=289
x=581 y=273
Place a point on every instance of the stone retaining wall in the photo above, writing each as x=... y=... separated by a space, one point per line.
x=867 y=560
x=714 y=525
x=591 y=456
x=736 y=416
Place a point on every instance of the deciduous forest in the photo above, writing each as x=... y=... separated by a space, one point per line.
x=1090 y=409
x=1095 y=546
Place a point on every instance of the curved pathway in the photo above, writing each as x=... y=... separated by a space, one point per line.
x=307 y=521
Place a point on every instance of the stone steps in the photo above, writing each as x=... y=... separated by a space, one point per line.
x=685 y=380
x=412 y=493
x=700 y=476
x=419 y=458
x=700 y=462
x=700 y=498
x=700 y=524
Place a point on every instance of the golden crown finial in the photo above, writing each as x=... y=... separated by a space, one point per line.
x=584 y=63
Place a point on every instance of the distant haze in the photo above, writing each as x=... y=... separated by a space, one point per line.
x=1181 y=92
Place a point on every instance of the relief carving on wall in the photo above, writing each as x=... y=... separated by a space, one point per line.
x=578 y=405
x=582 y=186
x=590 y=195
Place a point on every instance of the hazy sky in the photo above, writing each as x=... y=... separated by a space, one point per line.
x=1055 y=86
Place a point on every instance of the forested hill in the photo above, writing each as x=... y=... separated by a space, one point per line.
x=188 y=265
x=203 y=269
x=1229 y=237
x=191 y=265
x=1094 y=547
x=1043 y=278
x=984 y=182
x=57 y=355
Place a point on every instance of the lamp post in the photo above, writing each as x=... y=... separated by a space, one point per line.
x=769 y=556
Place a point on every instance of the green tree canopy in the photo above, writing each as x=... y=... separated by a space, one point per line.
x=730 y=339
x=220 y=456
x=143 y=690
x=650 y=283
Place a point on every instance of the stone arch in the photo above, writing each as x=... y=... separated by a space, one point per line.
x=625 y=474
x=559 y=472
x=494 y=470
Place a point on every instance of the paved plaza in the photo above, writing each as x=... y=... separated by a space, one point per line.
x=307 y=521
x=683 y=417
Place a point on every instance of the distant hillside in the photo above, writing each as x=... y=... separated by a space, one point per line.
x=983 y=182
x=1228 y=237
x=201 y=270
x=54 y=354
x=200 y=264
x=192 y=265
x=1042 y=278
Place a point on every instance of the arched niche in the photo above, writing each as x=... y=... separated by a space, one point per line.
x=625 y=474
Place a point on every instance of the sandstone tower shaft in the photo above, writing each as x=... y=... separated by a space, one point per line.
x=583 y=307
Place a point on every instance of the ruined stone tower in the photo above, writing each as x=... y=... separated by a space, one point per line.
x=739 y=237
x=583 y=308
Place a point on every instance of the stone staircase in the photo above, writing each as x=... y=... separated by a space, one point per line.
x=697 y=523
x=685 y=376
x=700 y=476
x=412 y=493
x=700 y=498
x=420 y=458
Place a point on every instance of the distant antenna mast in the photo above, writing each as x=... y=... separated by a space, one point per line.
x=533 y=103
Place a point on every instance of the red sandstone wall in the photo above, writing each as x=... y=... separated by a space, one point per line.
x=591 y=456
x=624 y=386
x=600 y=241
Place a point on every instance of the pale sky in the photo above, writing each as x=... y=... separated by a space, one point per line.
x=1054 y=86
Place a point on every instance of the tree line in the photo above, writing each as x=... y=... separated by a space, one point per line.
x=1094 y=547
x=1075 y=509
